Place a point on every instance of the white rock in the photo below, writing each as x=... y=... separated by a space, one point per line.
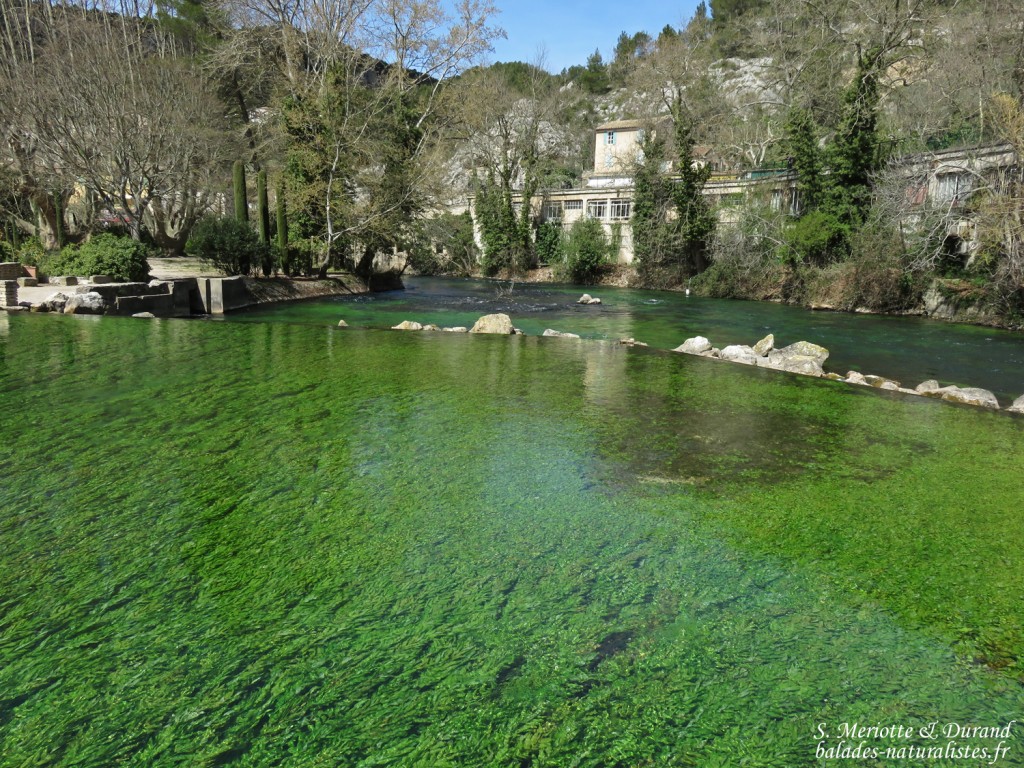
x=695 y=346
x=407 y=325
x=560 y=334
x=497 y=323
x=1018 y=405
x=736 y=353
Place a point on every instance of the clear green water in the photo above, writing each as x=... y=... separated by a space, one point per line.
x=268 y=544
x=908 y=349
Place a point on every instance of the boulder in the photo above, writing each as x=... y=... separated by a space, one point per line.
x=853 y=377
x=802 y=357
x=457 y=329
x=560 y=334
x=631 y=342
x=736 y=353
x=1018 y=405
x=586 y=298
x=342 y=324
x=927 y=386
x=431 y=327
x=765 y=345
x=144 y=314
x=407 y=325
x=55 y=302
x=834 y=376
x=881 y=382
x=85 y=304
x=966 y=395
x=497 y=323
x=698 y=345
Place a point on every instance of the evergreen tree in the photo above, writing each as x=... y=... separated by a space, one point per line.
x=801 y=144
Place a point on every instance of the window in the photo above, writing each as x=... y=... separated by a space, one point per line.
x=597 y=209
x=620 y=209
x=552 y=211
x=609 y=138
x=952 y=188
x=573 y=205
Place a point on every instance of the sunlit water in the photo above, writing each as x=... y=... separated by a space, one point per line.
x=270 y=544
x=908 y=349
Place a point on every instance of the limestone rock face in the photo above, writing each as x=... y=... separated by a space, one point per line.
x=407 y=325
x=736 y=353
x=1018 y=405
x=696 y=346
x=968 y=395
x=765 y=345
x=498 y=323
x=90 y=303
x=560 y=334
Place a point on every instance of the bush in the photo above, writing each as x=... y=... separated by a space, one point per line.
x=119 y=257
x=549 y=243
x=231 y=246
x=586 y=250
x=817 y=238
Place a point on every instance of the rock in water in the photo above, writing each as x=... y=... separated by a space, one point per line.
x=695 y=346
x=802 y=357
x=586 y=298
x=498 y=323
x=765 y=345
x=90 y=303
x=927 y=386
x=1018 y=405
x=967 y=395
x=457 y=329
x=342 y=324
x=407 y=325
x=560 y=334
x=737 y=353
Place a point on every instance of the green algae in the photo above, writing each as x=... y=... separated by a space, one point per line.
x=262 y=544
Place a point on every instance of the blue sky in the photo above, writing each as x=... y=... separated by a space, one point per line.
x=570 y=30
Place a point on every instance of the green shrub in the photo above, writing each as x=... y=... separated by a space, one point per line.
x=817 y=238
x=586 y=250
x=443 y=245
x=549 y=243
x=122 y=258
x=32 y=253
x=7 y=251
x=231 y=246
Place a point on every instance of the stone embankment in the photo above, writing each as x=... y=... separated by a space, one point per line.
x=802 y=358
x=179 y=297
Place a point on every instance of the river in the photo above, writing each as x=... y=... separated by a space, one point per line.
x=271 y=543
x=908 y=349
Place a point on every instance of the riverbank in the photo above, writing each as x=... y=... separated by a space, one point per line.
x=823 y=290
x=181 y=288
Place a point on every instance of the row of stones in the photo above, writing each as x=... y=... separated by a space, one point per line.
x=808 y=359
x=803 y=358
